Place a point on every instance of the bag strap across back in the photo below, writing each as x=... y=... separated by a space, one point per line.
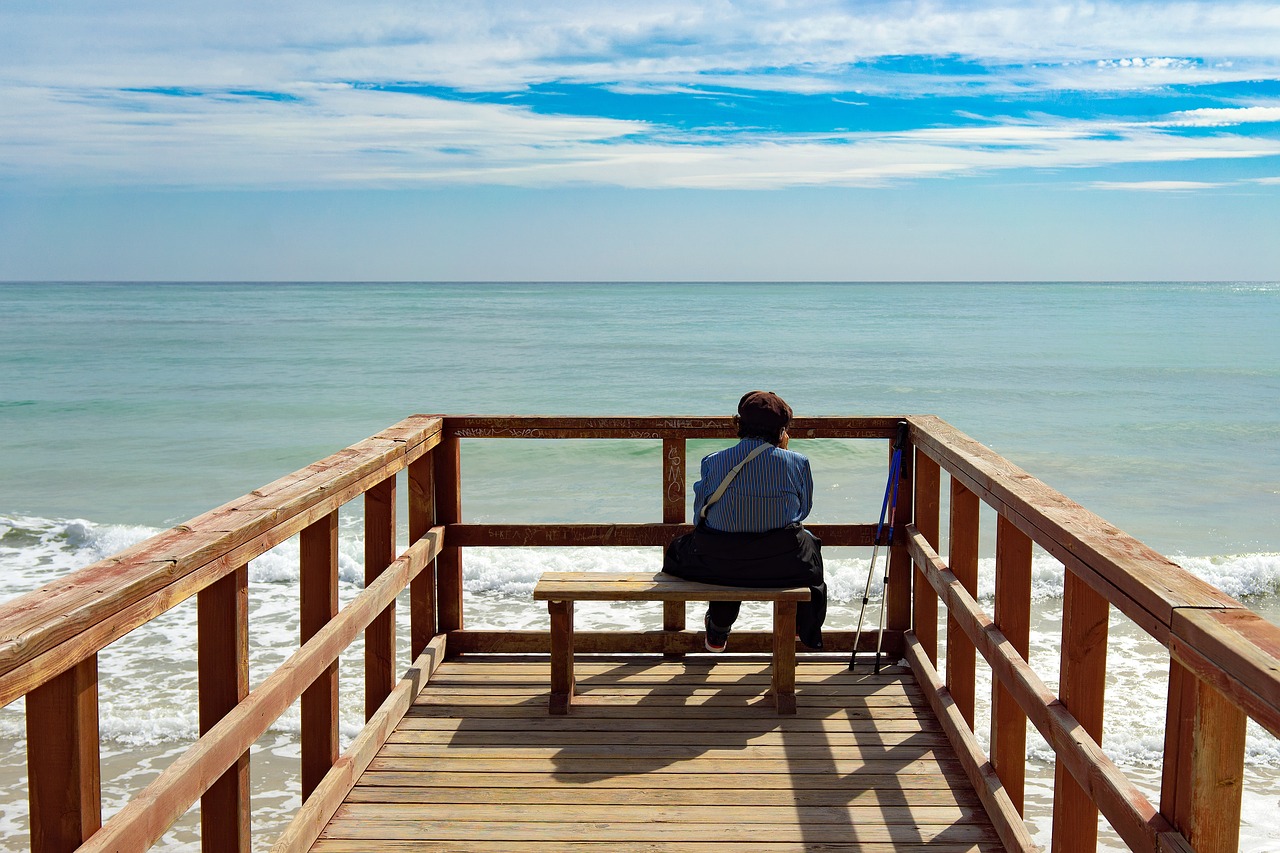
x=724 y=484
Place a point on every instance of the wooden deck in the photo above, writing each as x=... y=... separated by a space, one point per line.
x=662 y=754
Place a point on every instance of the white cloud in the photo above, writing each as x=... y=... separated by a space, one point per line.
x=66 y=113
x=1223 y=117
x=1157 y=186
x=500 y=45
x=341 y=136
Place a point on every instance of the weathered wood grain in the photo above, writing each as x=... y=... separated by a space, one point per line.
x=317 y=810
x=380 y=636
x=318 y=604
x=62 y=759
x=146 y=817
x=1143 y=584
x=629 y=780
x=964 y=565
x=45 y=631
x=223 y=666
x=1005 y=818
x=1013 y=618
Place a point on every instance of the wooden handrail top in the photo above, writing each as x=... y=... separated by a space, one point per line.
x=650 y=586
x=1211 y=633
x=551 y=426
x=634 y=535
x=1144 y=584
x=71 y=609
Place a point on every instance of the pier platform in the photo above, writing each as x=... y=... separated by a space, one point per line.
x=663 y=754
x=665 y=748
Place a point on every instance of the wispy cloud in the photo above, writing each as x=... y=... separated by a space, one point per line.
x=325 y=94
x=1157 y=186
x=1224 y=117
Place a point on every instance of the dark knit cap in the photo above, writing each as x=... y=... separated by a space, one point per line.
x=763 y=410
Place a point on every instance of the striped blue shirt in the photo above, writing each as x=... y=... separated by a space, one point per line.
x=774 y=490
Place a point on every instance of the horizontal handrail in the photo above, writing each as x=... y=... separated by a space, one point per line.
x=1128 y=810
x=1224 y=659
x=694 y=428
x=60 y=624
x=146 y=817
x=1210 y=632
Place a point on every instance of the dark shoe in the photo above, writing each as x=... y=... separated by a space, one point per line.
x=715 y=640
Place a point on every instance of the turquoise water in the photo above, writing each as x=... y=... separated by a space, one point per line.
x=1153 y=404
x=125 y=408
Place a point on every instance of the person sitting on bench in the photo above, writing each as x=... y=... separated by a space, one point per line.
x=749 y=505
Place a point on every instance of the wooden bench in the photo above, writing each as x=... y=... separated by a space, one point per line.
x=561 y=589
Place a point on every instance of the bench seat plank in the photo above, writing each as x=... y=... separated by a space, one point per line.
x=650 y=586
x=561 y=589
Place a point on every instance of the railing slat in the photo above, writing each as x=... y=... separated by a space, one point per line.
x=1013 y=617
x=422 y=592
x=223 y=664
x=1204 y=763
x=448 y=480
x=380 y=636
x=63 y=767
x=318 y=593
x=1082 y=683
x=963 y=561
x=927 y=514
x=674 y=487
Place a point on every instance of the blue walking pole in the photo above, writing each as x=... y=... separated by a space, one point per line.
x=888 y=506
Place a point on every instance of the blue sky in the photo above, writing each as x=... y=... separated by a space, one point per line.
x=639 y=140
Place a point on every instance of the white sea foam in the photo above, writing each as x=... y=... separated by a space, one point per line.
x=149 y=683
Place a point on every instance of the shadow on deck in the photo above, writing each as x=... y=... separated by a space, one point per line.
x=663 y=754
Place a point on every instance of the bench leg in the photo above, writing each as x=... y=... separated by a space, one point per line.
x=673 y=620
x=784 y=656
x=561 y=656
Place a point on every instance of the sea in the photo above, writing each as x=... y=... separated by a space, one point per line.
x=126 y=408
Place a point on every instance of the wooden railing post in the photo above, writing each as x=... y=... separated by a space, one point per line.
x=1201 y=790
x=1013 y=618
x=380 y=636
x=63 y=768
x=448 y=482
x=898 y=604
x=928 y=499
x=318 y=581
x=1081 y=688
x=223 y=667
x=422 y=589
x=673 y=512
x=963 y=560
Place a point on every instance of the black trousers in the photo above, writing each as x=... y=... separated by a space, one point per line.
x=789 y=556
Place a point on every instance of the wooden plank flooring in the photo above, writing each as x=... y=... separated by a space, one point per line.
x=663 y=755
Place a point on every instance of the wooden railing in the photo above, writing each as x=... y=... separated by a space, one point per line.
x=50 y=639
x=1224 y=660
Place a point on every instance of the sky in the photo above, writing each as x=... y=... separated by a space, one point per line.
x=614 y=141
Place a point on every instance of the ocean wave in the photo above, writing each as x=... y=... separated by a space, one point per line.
x=149 y=682
x=35 y=551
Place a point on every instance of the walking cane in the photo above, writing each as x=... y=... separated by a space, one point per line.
x=889 y=505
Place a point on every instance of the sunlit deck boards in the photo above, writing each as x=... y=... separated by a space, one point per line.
x=662 y=755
